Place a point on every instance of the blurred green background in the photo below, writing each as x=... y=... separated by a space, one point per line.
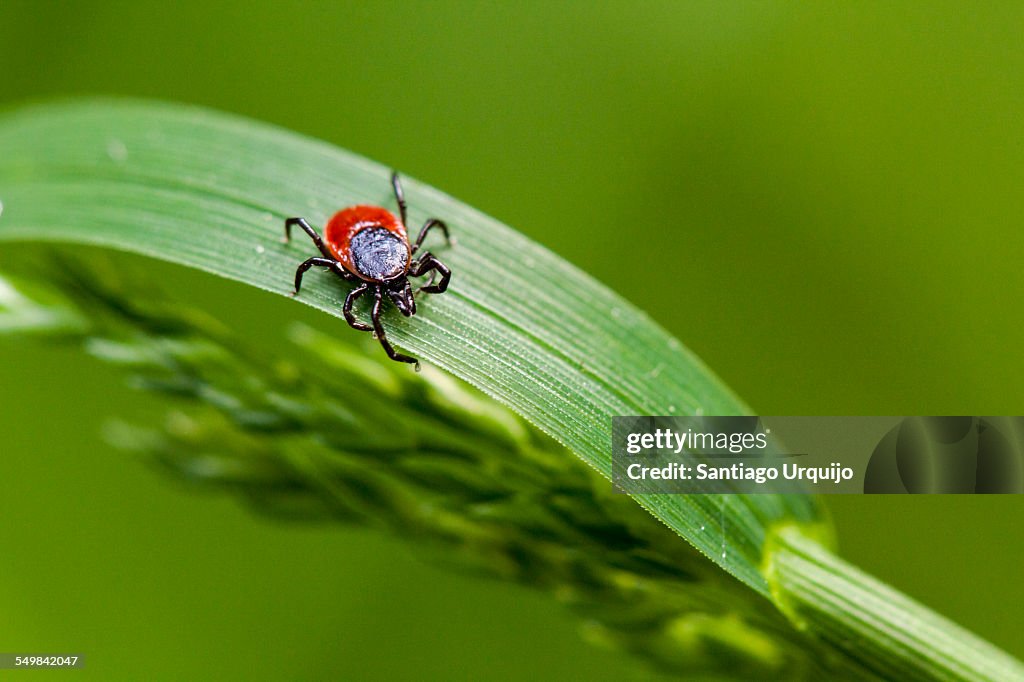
x=823 y=201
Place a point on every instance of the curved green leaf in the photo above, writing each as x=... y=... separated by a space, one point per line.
x=211 y=191
x=888 y=632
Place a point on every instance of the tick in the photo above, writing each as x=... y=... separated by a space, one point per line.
x=368 y=245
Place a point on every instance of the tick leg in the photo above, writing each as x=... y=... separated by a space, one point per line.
x=392 y=353
x=301 y=222
x=340 y=271
x=408 y=293
x=428 y=263
x=347 y=309
x=306 y=265
x=396 y=184
x=427 y=227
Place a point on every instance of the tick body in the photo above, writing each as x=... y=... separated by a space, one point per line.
x=369 y=245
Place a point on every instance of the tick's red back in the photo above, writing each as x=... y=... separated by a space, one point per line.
x=347 y=222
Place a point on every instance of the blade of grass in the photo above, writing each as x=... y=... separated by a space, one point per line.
x=888 y=632
x=211 y=191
